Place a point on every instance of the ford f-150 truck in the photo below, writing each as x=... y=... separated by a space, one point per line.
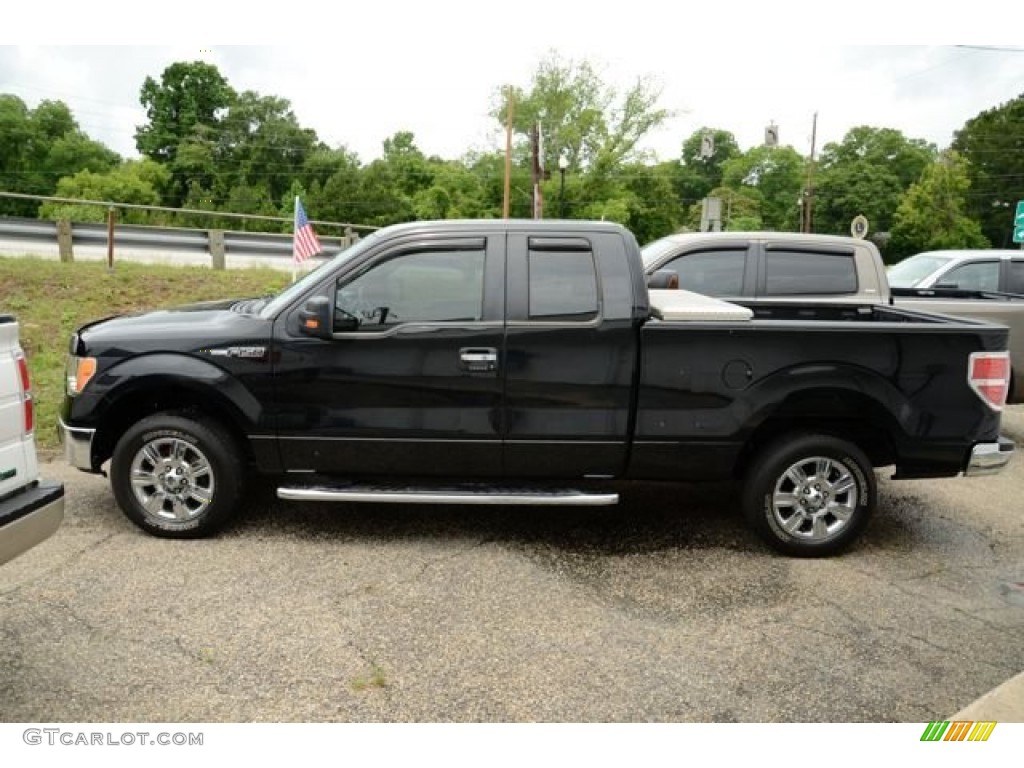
x=789 y=268
x=31 y=510
x=526 y=362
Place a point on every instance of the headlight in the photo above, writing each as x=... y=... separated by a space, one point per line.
x=79 y=371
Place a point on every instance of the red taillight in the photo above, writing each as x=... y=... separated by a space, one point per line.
x=988 y=373
x=26 y=392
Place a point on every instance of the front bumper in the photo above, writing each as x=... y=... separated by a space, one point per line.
x=989 y=458
x=77 y=445
x=30 y=517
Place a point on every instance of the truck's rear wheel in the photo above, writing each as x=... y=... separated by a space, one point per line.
x=809 y=495
x=176 y=477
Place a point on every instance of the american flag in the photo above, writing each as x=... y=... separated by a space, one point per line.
x=305 y=243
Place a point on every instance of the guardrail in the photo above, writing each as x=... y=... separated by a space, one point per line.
x=221 y=248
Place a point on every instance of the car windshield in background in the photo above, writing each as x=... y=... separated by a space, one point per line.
x=909 y=272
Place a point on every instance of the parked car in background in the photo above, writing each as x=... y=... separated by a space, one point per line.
x=31 y=510
x=969 y=270
x=791 y=268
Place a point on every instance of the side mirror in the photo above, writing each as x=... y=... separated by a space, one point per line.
x=664 y=279
x=315 y=318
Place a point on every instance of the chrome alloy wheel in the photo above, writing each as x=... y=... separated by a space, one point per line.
x=815 y=498
x=172 y=480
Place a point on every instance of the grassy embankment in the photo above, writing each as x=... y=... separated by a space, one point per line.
x=51 y=299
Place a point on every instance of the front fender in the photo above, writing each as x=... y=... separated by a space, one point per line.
x=220 y=390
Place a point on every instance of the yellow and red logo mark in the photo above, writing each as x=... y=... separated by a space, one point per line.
x=959 y=730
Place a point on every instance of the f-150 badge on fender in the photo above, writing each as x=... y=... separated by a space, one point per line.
x=246 y=352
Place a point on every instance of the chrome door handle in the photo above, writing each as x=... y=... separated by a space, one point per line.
x=479 y=359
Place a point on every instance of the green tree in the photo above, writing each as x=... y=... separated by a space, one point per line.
x=867 y=174
x=993 y=145
x=195 y=168
x=135 y=181
x=260 y=144
x=776 y=175
x=335 y=186
x=38 y=147
x=455 y=193
x=16 y=134
x=189 y=97
x=932 y=215
x=488 y=168
x=653 y=209
x=253 y=199
x=406 y=164
x=188 y=94
x=73 y=152
x=592 y=124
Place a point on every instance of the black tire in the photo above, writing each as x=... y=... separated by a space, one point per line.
x=195 y=469
x=809 y=495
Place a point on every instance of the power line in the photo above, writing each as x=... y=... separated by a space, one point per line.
x=991 y=48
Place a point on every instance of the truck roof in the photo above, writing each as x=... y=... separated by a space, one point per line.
x=789 y=237
x=511 y=225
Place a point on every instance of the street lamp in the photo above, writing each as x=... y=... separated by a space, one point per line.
x=563 y=164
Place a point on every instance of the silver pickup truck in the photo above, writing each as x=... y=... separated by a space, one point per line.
x=785 y=267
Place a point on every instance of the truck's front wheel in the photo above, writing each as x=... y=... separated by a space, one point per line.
x=176 y=477
x=809 y=495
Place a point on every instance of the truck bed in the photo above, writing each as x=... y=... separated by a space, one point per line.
x=877 y=370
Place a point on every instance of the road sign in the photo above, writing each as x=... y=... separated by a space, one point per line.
x=859 y=227
x=707 y=146
x=1018 y=223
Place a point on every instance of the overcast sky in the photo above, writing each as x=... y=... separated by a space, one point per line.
x=435 y=68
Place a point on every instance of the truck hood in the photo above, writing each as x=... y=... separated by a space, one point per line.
x=183 y=329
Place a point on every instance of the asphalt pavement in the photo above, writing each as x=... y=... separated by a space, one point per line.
x=663 y=609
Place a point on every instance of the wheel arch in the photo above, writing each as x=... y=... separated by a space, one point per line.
x=827 y=410
x=156 y=383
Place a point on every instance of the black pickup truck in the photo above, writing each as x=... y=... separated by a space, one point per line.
x=525 y=362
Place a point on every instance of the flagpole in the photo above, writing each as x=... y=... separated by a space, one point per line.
x=295 y=222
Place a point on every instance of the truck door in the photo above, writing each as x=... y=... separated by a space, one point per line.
x=410 y=382
x=570 y=355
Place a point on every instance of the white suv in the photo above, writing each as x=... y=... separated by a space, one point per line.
x=30 y=509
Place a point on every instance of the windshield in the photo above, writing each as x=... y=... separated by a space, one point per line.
x=655 y=250
x=296 y=289
x=909 y=272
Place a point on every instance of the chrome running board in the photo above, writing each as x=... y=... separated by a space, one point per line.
x=447 y=495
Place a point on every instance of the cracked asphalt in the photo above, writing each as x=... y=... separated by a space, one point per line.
x=661 y=609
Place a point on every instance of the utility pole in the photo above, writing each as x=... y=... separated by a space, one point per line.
x=508 y=153
x=538 y=170
x=809 y=202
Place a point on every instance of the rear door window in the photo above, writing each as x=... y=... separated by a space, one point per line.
x=794 y=273
x=979 y=276
x=1015 y=278
x=563 y=286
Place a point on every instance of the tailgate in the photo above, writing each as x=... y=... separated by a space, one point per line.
x=17 y=454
